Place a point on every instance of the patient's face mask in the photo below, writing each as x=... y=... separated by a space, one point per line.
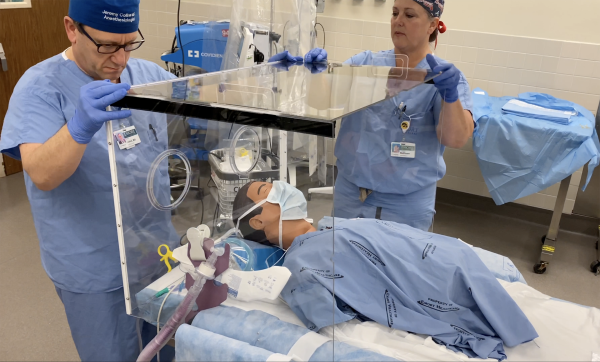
x=290 y=199
x=291 y=202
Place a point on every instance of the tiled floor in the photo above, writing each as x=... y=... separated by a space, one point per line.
x=34 y=325
x=568 y=276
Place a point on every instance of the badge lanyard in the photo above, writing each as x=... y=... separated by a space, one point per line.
x=403 y=149
x=404 y=125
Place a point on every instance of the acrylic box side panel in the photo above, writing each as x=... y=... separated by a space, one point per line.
x=144 y=189
x=172 y=165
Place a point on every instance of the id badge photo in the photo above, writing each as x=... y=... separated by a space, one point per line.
x=127 y=137
x=403 y=149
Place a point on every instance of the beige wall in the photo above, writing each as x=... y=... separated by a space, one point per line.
x=574 y=20
x=520 y=46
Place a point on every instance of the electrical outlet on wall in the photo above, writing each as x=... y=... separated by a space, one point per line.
x=320 y=6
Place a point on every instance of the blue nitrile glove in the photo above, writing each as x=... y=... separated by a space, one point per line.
x=316 y=68
x=287 y=60
x=447 y=82
x=284 y=55
x=316 y=55
x=91 y=112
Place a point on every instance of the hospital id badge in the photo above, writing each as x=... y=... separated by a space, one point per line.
x=127 y=137
x=403 y=149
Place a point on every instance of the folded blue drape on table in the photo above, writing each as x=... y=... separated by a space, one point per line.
x=558 y=114
x=519 y=156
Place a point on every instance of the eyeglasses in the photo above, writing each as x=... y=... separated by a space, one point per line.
x=112 y=48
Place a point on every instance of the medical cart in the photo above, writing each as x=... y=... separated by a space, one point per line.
x=228 y=182
x=550 y=239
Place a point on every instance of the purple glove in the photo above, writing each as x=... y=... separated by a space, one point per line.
x=91 y=112
x=286 y=56
x=316 y=55
x=447 y=82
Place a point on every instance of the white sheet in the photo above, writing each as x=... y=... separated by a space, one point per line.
x=568 y=332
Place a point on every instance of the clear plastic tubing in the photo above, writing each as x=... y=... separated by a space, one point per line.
x=150 y=179
x=230 y=238
x=165 y=334
x=235 y=243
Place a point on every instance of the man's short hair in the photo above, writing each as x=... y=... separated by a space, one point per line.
x=241 y=204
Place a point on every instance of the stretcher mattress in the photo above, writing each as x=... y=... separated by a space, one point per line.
x=568 y=332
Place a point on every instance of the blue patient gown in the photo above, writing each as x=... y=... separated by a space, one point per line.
x=406 y=279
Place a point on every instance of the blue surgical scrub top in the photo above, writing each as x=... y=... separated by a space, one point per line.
x=406 y=279
x=75 y=222
x=363 y=146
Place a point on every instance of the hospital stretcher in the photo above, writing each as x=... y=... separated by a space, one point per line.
x=567 y=332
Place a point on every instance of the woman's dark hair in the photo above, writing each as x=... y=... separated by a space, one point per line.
x=433 y=36
x=241 y=204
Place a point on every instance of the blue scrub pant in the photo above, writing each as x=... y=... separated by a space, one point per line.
x=416 y=209
x=102 y=330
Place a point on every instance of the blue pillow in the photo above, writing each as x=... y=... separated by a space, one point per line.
x=266 y=255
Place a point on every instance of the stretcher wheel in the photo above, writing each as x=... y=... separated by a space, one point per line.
x=544 y=239
x=595 y=267
x=539 y=268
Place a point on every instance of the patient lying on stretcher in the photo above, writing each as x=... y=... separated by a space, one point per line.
x=383 y=271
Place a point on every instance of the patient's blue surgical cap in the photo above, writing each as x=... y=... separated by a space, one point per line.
x=112 y=16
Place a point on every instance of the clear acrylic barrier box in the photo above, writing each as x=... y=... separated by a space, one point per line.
x=170 y=187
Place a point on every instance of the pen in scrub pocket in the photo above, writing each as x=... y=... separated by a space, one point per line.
x=153 y=131
x=402 y=108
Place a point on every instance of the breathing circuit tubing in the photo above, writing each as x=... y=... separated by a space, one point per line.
x=200 y=275
x=150 y=179
x=238 y=245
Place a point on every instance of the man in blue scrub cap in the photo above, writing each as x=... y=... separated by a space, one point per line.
x=55 y=124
